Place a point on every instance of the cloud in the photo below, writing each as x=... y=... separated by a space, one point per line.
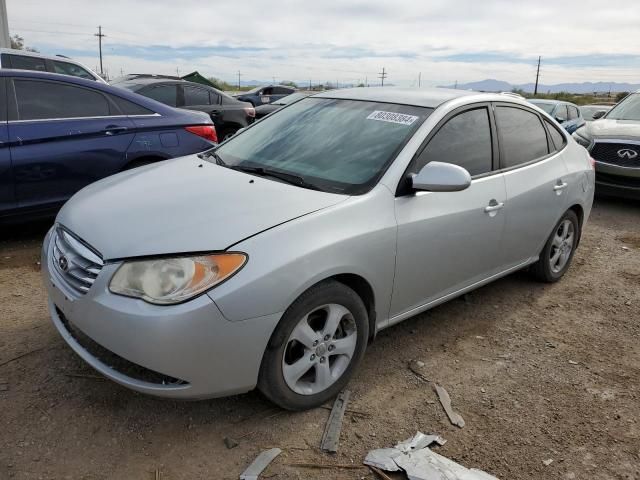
x=445 y=40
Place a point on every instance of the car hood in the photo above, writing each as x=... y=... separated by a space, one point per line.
x=183 y=205
x=620 y=129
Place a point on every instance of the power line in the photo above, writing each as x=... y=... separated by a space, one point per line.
x=100 y=35
x=383 y=75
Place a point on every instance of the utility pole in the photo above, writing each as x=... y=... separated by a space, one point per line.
x=456 y=85
x=419 y=79
x=366 y=81
x=100 y=35
x=177 y=71
x=121 y=72
x=383 y=75
x=309 y=84
x=239 y=75
x=535 y=90
x=5 y=39
x=274 y=80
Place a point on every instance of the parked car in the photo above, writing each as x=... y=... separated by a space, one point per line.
x=566 y=114
x=263 y=95
x=228 y=114
x=264 y=110
x=59 y=133
x=614 y=143
x=25 y=60
x=281 y=253
x=594 y=112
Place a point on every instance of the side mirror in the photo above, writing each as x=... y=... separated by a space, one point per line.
x=599 y=114
x=560 y=120
x=441 y=177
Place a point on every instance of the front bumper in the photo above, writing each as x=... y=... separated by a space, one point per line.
x=187 y=351
x=617 y=181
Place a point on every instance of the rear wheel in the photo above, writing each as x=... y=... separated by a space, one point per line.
x=557 y=253
x=314 y=350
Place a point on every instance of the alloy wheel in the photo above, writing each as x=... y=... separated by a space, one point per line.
x=319 y=349
x=561 y=246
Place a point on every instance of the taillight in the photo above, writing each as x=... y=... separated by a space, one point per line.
x=208 y=132
x=593 y=162
x=250 y=111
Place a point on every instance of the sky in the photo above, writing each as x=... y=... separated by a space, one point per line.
x=437 y=41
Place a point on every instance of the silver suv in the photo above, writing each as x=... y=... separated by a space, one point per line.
x=614 y=143
x=24 y=60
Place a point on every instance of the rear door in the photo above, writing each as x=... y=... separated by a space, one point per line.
x=450 y=240
x=536 y=179
x=575 y=121
x=64 y=136
x=7 y=198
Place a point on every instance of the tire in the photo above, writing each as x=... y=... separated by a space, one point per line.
x=546 y=269
x=226 y=134
x=327 y=373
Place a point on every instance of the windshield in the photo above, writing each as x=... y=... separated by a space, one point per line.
x=340 y=146
x=589 y=110
x=547 y=107
x=627 y=109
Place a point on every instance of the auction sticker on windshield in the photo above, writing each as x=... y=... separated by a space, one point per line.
x=392 y=117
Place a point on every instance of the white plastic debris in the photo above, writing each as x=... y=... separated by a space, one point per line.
x=454 y=417
x=419 y=463
x=261 y=462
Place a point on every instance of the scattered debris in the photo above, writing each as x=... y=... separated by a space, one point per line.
x=21 y=356
x=549 y=345
x=573 y=362
x=230 y=443
x=417 y=367
x=483 y=390
x=627 y=303
x=349 y=410
x=419 y=463
x=261 y=462
x=548 y=461
x=157 y=474
x=626 y=249
x=454 y=417
x=419 y=441
x=331 y=436
x=380 y=473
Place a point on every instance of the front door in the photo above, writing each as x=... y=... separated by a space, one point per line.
x=450 y=240
x=63 y=137
x=536 y=178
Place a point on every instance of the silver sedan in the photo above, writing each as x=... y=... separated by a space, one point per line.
x=273 y=259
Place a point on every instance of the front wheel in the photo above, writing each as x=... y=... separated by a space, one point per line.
x=557 y=253
x=317 y=345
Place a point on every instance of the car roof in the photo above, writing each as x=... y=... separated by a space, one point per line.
x=105 y=87
x=420 y=97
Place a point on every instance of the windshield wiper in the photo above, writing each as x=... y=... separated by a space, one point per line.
x=291 y=178
x=212 y=153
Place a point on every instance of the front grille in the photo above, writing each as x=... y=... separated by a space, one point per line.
x=116 y=362
x=77 y=264
x=611 y=153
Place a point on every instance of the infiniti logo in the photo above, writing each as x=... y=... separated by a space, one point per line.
x=63 y=263
x=627 y=153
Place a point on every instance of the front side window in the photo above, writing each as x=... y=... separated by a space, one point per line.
x=573 y=112
x=561 y=114
x=195 y=96
x=627 y=109
x=23 y=62
x=67 y=68
x=167 y=94
x=341 y=146
x=465 y=140
x=522 y=136
x=547 y=107
x=39 y=100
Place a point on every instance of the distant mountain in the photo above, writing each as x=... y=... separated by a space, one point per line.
x=491 y=85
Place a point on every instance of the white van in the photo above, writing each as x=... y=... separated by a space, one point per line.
x=24 y=60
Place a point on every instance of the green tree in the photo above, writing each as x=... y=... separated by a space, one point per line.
x=621 y=95
x=289 y=83
x=17 y=43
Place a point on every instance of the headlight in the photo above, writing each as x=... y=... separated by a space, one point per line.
x=165 y=281
x=582 y=140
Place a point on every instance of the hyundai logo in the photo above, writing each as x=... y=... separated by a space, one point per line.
x=63 y=263
x=627 y=153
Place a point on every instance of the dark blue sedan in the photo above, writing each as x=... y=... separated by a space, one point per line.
x=60 y=133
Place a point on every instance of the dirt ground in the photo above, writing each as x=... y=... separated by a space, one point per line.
x=539 y=372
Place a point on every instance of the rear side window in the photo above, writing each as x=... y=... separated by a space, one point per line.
x=39 y=100
x=130 y=108
x=167 y=94
x=465 y=140
x=557 y=139
x=23 y=62
x=195 y=96
x=573 y=112
x=561 y=114
x=67 y=68
x=522 y=136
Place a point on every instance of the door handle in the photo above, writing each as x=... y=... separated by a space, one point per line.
x=560 y=186
x=113 y=129
x=493 y=207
